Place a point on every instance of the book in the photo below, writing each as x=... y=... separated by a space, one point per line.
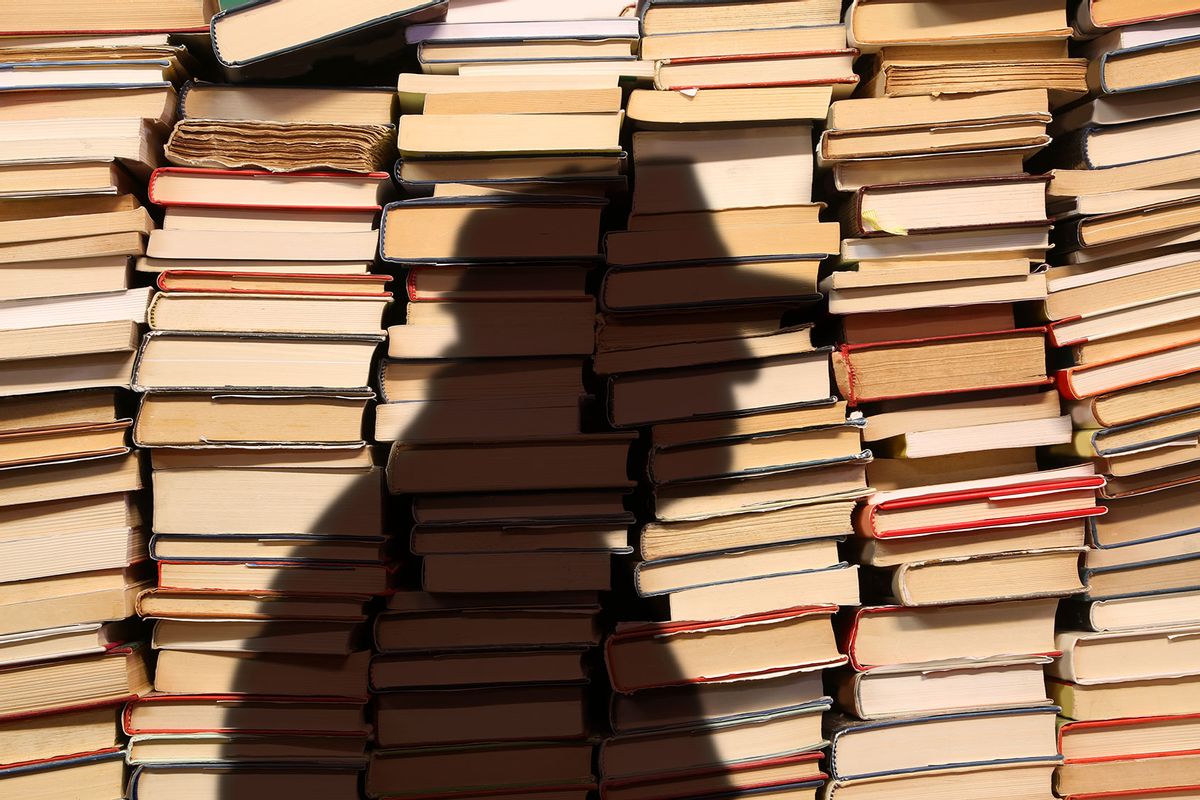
x=886 y=370
x=182 y=186
x=673 y=753
x=1095 y=16
x=1148 y=66
x=81 y=772
x=834 y=68
x=642 y=656
x=883 y=636
x=420 y=770
x=163 y=782
x=408 y=719
x=175 y=15
x=676 y=16
x=344 y=104
x=490 y=228
x=312 y=146
x=652 y=109
x=278 y=361
x=242 y=46
x=970 y=686
x=1011 y=780
x=861 y=748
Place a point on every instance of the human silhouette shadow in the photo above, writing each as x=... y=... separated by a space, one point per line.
x=696 y=752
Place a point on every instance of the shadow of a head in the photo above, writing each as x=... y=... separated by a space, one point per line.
x=703 y=347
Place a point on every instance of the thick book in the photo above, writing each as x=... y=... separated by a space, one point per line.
x=969 y=686
x=1013 y=780
x=166 y=782
x=690 y=16
x=229 y=360
x=306 y=146
x=883 y=637
x=926 y=207
x=120 y=673
x=479 y=768
x=644 y=655
x=1096 y=16
x=1118 y=656
x=707 y=390
x=859 y=749
x=678 y=753
x=201 y=419
x=498 y=228
x=941 y=365
x=78 y=17
x=652 y=108
x=180 y=187
x=991 y=577
x=1156 y=65
x=1090 y=741
x=456 y=716
x=350 y=105
x=584 y=461
x=787 y=68
x=262 y=715
x=274 y=39
x=101 y=772
x=1049 y=496
x=871 y=24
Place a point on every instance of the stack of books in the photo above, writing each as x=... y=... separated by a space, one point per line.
x=751 y=467
x=966 y=544
x=514 y=494
x=528 y=38
x=268 y=514
x=1122 y=308
x=977 y=49
x=81 y=113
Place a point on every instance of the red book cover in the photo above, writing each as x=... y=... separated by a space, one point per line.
x=1128 y=722
x=1065 y=378
x=868 y=515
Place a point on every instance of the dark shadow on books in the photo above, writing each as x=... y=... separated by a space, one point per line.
x=524 y=461
x=540 y=500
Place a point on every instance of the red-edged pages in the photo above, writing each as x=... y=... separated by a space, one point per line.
x=992 y=490
x=739 y=57
x=1127 y=722
x=845 y=353
x=850 y=638
x=727 y=775
x=661 y=632
x=280 y=181
x=164 y=699
x=1065 y=378
x=51 y=763
x=205 y=282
